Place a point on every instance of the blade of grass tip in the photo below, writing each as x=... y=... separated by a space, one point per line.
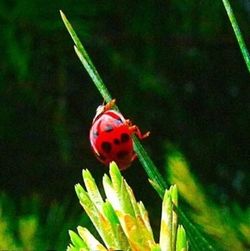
x=74 y=36
x=237 y=32
x=86 y=61
x=146 y=161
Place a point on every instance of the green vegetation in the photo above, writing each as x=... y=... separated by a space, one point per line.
x=175 y=69
x=230 y=226
x=121 y=221
x=29 y=225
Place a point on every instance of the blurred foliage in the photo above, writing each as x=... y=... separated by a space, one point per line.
x=229 y=226
x=28 y=226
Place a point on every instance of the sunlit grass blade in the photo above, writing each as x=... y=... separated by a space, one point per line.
x=181 y=244
x=166 y=223
x=197 y=240
x=77 y=241
x=237 y=32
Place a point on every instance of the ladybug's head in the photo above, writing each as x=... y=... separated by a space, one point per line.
x=103 y=108
x=99 y=111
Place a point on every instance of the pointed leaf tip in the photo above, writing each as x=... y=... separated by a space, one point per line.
x=76 y=240
x=86 y=174
x=79 y=191
x=157 y=187
x=181 y=242
x=174 y=194
x=106 y=180
x=114 y=170
x=114 y=166
x=62 y=15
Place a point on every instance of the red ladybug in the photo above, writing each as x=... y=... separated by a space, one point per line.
x=110 y=136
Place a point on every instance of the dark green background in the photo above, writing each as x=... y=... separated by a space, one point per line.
x=173 y=66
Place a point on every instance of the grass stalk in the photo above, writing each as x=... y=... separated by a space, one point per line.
x=237 y=33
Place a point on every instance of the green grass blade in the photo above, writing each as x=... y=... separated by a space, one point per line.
x=198 y=242
x=237 y=32
x=149 y=166
x=86 y=61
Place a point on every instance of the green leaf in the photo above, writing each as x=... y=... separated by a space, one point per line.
x=90 y=240
x=116 y=176
x=110 y=213
x=92 y=189
x=174 y=198
x=166 y=223
x=76 y=240
x=120 y=238
x=181 y=243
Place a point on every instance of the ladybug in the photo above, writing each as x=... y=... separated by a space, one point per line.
x=111 y=136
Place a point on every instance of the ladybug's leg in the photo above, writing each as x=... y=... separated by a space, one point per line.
x=128 y=122
x=109 y=105
x=135 y=129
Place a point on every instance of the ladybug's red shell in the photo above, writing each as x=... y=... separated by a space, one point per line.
x=110 y=137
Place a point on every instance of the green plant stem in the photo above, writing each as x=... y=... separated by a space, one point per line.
x=149 y=166
x=86 y=61
x=237 y=32
x=197 y=240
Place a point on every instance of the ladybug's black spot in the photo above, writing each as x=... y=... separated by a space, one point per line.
x=122 y=154
x=108 y=128
x=124 y=137
x=106 y=147
x=116 y=141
